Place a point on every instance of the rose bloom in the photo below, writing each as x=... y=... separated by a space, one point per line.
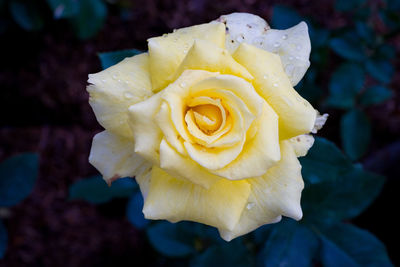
x=209 y=123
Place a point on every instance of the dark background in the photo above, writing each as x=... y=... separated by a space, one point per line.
x=44 y=108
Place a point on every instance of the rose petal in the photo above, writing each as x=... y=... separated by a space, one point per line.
x=175 y=200
x=275 y=193
x=113 y=90
x=301 y=144
x=114 y=157
x=296 y=115
x=168 y=51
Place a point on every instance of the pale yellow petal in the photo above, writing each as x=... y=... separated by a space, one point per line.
x=260 y=152
x=175 y=200
x=114 y=157
x=301 y=144
x=276 y=193
x=207 y=56
x=113 y=90
x=168 y=51
x=296 y=115
x=184 y=168
x=147 y=135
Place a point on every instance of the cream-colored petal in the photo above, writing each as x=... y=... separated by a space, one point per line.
x=168 y=51
x=319 y=122
x=301 y=144
x=147 y=135
x=276 y=193
x=259 y=153
x=296 y=115
x=208 y=56
x=214 y=158
x=293 y=45
x=114 y=157
x=113 y=90
x=184 y=168
x=175 y=200
x=143 y=178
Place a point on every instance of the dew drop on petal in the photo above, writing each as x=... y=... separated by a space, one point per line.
x=182 y=84
x=275 y=84
x=276 y=44
x=128 y=95
x=284 y=37
x=250 y=205
x=298 y=47
x=265 y=76
x=290 y=58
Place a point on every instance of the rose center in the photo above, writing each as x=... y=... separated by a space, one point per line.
x=208 y=117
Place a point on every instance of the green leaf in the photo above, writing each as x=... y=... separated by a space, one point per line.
x=134 y=211
x=90 y=19
x=233 y=254
x=26 y=15
x=347 y=5
x=375 y=95
x=64 y=8
x=324 y=162
x=346 y=197
x=381 y=70
x=346 y=82
x=355 y=132
x=290 y=244
x=96 y=191
x=3 y=240
x=109 y=59
x=347 y=48
x=284 y=17
x=347 y=245
x=18 y=175
x=172 y=239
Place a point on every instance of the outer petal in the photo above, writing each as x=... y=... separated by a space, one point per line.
x=184 y=168
x=147 y=135
x=275 y=193
x=175 y=200
x=113 y=90
x=296 y=115
x=167 y=51
x=208 y=56
x=259 y=153
x=114 y=157
x=301 y=144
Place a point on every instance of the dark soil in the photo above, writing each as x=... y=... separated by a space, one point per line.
x=45 y=108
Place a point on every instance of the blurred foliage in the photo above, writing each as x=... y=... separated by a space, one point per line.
x=18 y=176
x=336 y=191
x=86 y=17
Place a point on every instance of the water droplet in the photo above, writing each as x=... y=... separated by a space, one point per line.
x=185 y=51
x=275 y=84
x=182 y=84
x=103 y=80
x=290 y=58
x=250 y=205
x=297 y=57
x=298 y=47
x=239 y=39
x=276 y=44
x=115 y=75
x=265 y=76
x=284 y=37
x=128 y=95
x=174 y=30
x=289 y=69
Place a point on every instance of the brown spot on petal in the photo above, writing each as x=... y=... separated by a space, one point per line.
x=115 y=177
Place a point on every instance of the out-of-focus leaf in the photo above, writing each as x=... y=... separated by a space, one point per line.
x=347 y=245
x=355 y=131
x=134 y=211
x=18 y=175
x=364 y=31
x=64 y=8
x=324 y=162
x=284 y=17
x=3 y=240
x=319 y=37
x=375 y=95
x=233 y=254
x=381 y=70
x=96 y=191
x=345 y=84
x=109 y=59
x=290 y=244
x=307 y=87
x=386 y=52
x=347 y=5
x=26 y=15
x=90 y=18
x=347 y=48
x=172 y=239
x=345 y=197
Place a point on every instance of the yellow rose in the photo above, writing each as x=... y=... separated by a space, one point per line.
x=211 y=135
